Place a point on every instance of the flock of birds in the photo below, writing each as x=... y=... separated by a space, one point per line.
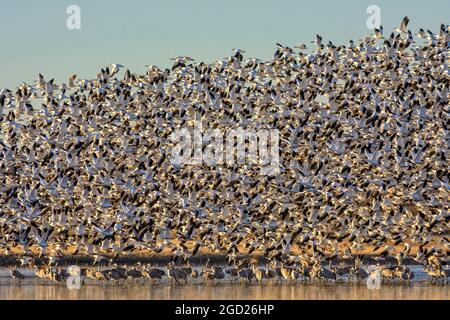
x=246 y=272
x=85 y=166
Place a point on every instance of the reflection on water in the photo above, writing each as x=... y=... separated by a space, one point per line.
x=226 y=291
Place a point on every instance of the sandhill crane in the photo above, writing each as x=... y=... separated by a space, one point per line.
x=446 y=274
x=121 y=272
x=188 y=269
x=153 y=274
x=321 y=273
x=17 y=276
x=356 y=272
x=55 y=274
x=114 y=275
x=211 y=274
x=343 y=271
x=219 y=274
x=207 y=275
x=233 y=272
x=41 y=273
x=277 y=271
x=404 y=274
x=359 y=274
x=96 y=275
x=260 y=274
x=388 y=273
x=435 y=273
x=194 y=274
x=182 y=275
x=146 y=275
x=271 y=274
x=133 y=273
x=246 y=275
x=286 y=273
x=89 y=273
x=327 y=274
x=175 y=275
x=304 y=272
x=295 y=274
x=63 y=273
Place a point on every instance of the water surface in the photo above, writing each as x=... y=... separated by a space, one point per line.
x=226 y=291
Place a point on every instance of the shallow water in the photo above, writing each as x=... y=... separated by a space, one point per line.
x=227 y=291
x=32 y=288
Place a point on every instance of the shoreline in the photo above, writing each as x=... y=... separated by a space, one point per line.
x=418 y=290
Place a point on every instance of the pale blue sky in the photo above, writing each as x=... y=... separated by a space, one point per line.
x=139 y=32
